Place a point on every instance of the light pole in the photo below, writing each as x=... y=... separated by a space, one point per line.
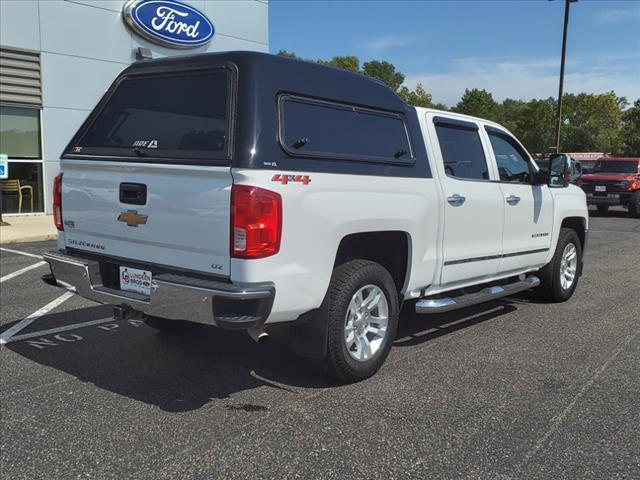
x=567 y=5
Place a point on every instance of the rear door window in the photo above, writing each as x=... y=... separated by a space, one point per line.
x=462 y=151
x=177 y=116
x=316 y=128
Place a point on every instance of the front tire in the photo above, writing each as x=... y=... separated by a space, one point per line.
x=362 y=308
x=560 y=277
x=634 y=205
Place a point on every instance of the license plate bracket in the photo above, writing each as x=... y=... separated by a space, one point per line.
x=135 y=280
x=601 y=188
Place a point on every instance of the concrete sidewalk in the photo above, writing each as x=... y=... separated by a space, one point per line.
x=32 y=228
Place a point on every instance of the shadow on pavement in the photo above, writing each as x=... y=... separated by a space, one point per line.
x=416 y=329
x=184 y=372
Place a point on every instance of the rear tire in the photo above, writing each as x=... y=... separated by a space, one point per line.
x=560 y=277
x=170 y=326
x=602 y=209
x=634 y=205
x=362 y=309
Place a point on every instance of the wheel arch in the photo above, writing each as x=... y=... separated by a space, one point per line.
x=579 y=225
x=391 y=249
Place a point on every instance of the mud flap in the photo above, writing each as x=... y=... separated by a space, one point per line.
x=308 y=335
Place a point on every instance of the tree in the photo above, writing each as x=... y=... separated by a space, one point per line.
x=286 y=54
x=478 y=103
x=348 y=62
x=592 y=122
x=631 y=130
x=533 y=124
x=418 y=97
x=509 y=112
x=385 y=72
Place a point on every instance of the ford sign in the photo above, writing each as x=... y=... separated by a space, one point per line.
x=168 y=22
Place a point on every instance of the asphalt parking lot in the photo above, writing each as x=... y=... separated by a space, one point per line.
x=512 y=389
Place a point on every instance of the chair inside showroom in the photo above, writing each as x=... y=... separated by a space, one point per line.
x=13 y=186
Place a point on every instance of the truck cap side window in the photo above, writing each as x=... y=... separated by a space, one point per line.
x=462 y=150
x=177 y=116
x=314 y=128
x=512 y=165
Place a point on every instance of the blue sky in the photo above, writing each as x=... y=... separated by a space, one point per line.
x=511 y=48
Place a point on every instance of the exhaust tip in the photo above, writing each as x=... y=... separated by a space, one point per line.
x=258 y=334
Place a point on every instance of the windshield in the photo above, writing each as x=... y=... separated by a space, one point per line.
x=177 y=116
x=613 y=166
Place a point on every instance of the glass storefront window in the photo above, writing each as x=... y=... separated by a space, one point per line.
x=20 y=132
x=22 y=192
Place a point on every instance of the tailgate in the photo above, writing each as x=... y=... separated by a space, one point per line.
x=183 y=222
x=148 y=176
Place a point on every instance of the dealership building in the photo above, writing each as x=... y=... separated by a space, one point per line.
x=57 y=58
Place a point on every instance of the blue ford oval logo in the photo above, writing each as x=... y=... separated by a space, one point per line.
x=168 y=22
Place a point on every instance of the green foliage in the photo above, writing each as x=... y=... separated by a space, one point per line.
x=533 y=123
x=418 y=97
x=478 y=103
x=590 y=122
x=630 y=131
x=348 y=62
x=284 y=53
x=385 y=72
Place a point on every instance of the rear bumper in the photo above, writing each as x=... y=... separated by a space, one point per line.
x=176 y=297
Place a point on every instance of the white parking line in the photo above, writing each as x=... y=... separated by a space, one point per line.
x=21 y=271
x=4 y=338
x=20 y=253
x=17 y=338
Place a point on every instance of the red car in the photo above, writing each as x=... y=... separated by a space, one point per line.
x=614 y=181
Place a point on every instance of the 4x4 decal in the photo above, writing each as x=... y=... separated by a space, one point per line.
x=284 y=179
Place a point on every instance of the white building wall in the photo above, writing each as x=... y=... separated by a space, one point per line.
x=85 y=43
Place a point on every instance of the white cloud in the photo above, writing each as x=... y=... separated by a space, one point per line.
x=533 y=79
x=386 y=42
x=620 y=15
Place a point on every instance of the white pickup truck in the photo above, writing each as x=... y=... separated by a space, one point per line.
x=243 y=190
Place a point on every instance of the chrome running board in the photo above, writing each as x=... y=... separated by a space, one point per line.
x=439 y=305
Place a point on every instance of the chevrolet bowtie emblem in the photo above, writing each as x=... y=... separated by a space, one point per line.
x=132 y=219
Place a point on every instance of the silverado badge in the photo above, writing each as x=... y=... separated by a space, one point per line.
x=132 y=219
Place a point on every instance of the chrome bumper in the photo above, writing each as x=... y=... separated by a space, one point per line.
x=175 y=297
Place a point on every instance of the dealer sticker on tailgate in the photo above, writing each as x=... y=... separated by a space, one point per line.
x=134 y=280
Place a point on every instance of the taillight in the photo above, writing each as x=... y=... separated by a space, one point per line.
x=256 y=222
x=57 y=202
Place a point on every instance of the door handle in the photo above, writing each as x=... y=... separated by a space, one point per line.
x=513 y=199
x=456 y=200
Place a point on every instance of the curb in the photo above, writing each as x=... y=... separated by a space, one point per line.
x=30 y=238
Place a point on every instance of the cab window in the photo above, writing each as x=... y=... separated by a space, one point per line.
x=512 y=165
x=461 y=148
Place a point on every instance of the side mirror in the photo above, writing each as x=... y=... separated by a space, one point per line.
x=559 y=171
